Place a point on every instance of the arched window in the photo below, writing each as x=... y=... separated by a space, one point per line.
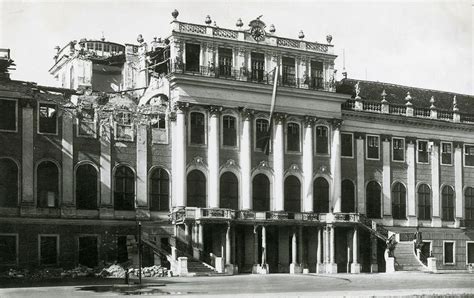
x=198 y=134
x=292 y=194
x=124 y=194
x=321 y=195
x=373 y=200
x=261 y=193
x=399 y=201
x=229 y=191
x=293 y=137
x=159 y=190
x=447 y=203
x=469 y=203
x=424 y=202
x=8 y=183
x=86 y=187
x=196 y=189
x=347 y=196
x=47 y=185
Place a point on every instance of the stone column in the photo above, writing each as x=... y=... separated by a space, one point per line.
x=332 y=266
x=373 y=254
x=435 y=174
x=326 y=245
x=300 y=246
x=336 y=165
x=246 y=160
x=179 y=158
x=264 y=245
x=355 y=266
x=293 y=248
x=360 y=148
x=186 y=232
x=228 y=248
x=319 y=257
x=458 y=190
x=67 y=163
x=27 y=160
x=106 y=188
x=213 y=157
x=308 y=154
x=387 y=184
x=142 y=169
x=200 y=235
x=411 y=191
x=255 y=243
x=278 y=163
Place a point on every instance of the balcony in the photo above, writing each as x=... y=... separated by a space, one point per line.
x=249 y=75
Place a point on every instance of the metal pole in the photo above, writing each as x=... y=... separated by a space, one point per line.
x=140 y=252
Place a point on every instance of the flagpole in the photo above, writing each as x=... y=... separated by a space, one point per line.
x=272 y=109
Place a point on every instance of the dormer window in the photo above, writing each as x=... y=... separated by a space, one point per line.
x=123 y=126
x=192 y=57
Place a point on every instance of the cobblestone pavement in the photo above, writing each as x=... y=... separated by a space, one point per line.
x=274 y=285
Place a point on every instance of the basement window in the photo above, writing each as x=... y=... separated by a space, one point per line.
x=8 y=115
x=8 y=250
x=48 y=118
x=48 y=249
x=159 y=129
x=449 y=250
x=123 y=126
x=192 y=57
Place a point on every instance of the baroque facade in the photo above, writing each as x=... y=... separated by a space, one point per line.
x=173 y=134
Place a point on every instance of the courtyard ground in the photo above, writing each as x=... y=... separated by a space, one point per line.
x=274 y=285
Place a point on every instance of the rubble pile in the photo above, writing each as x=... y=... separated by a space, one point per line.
x=80 y=271
x=152 y=271
x=112 y=271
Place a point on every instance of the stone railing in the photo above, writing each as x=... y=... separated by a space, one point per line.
x=410 y=111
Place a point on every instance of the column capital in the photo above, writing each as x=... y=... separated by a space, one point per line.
x=435 y=142
x=458 y=144
x=359 y=135
x=280 y=118
x=180 y=107
x=309 y=121
x=246 y=114
x=410 y=140
x=214 y=110
x=386 y=138
x=336 y=123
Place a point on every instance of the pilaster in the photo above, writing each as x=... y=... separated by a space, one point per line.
x=360 y=173
x=336 y=165
x=213 y=156
x=435 y=185
x=411 y=191
x=106 y=200
x=278 y=162
x=355 y=266
x=308 y=164
x=142 y=165
x=27 y=160
x=245 y=160
x=386 y=186
x=458 y=183
x=179 y=157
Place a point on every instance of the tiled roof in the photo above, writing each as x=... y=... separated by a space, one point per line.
x=396 y=94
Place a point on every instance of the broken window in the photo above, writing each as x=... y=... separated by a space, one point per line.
x=316 y=75
x=47 y=184
x=225 y=62
x=86 y=187
x=229 y=132
x=159 y=195
x=293 y=137
x=288 y=71
x=8 y=183
x=158 y=129
x=197 y=128
x=122 y=251
x=88 y=252
x=48 y=118
x=124 y=194
x=322 y=140
x=87 y=124
x=261 y=134
x=257 y=66
x=192 y=57
x=48 y=250
x=123 y=126
x=8 y=250
x=8 y=115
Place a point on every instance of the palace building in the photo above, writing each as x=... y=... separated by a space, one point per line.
x=171 y=135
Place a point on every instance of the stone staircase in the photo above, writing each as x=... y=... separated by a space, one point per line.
x=405 y=258
x=198 y=268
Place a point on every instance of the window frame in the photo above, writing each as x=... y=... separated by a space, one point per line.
x=130 y=126
x=441 y=154
x=185 y=55
x=316 y=138
x=392 y=193
x=150 y=191
x=17 y=247
x=418 y=202
x=464 y=155
x=57 y=249
x=393 y=149
x=76 y=168
x=418 y=152
x=237 y=132
x=255 y=148
x=467 y=251
x=59 y=198
x=204 y=113
x=94 y=122
x=16 y=115
x=300 y=137
x=352 y=144
x=454 y=252
x=165 y=130
x=38 y=116
x=367 y=147
x=114 y=186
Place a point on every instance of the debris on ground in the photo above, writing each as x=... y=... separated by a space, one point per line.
x=152 y=271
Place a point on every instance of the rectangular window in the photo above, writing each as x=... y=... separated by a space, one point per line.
x=158 y=129
x=446 y=153
x=373 y=147
x=293 y=137
x=229 y=131
x=48 y=249
x=192 y=57
x=469 y=155
x=346 y=145
x=398 y=149
x=197 y=129
x=86 y=123
x=261 y=133
x=8 y=250
x=470 y=252
x=322 y=140
x=8 y=115
x=257 y=66
x=123 y=126
x=288 y=71
x=448 y=252
x=316 y=75
x=48 y=118
x=225 y=62
x=422 y=151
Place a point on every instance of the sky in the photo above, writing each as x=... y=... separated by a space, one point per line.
x=427 y=44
